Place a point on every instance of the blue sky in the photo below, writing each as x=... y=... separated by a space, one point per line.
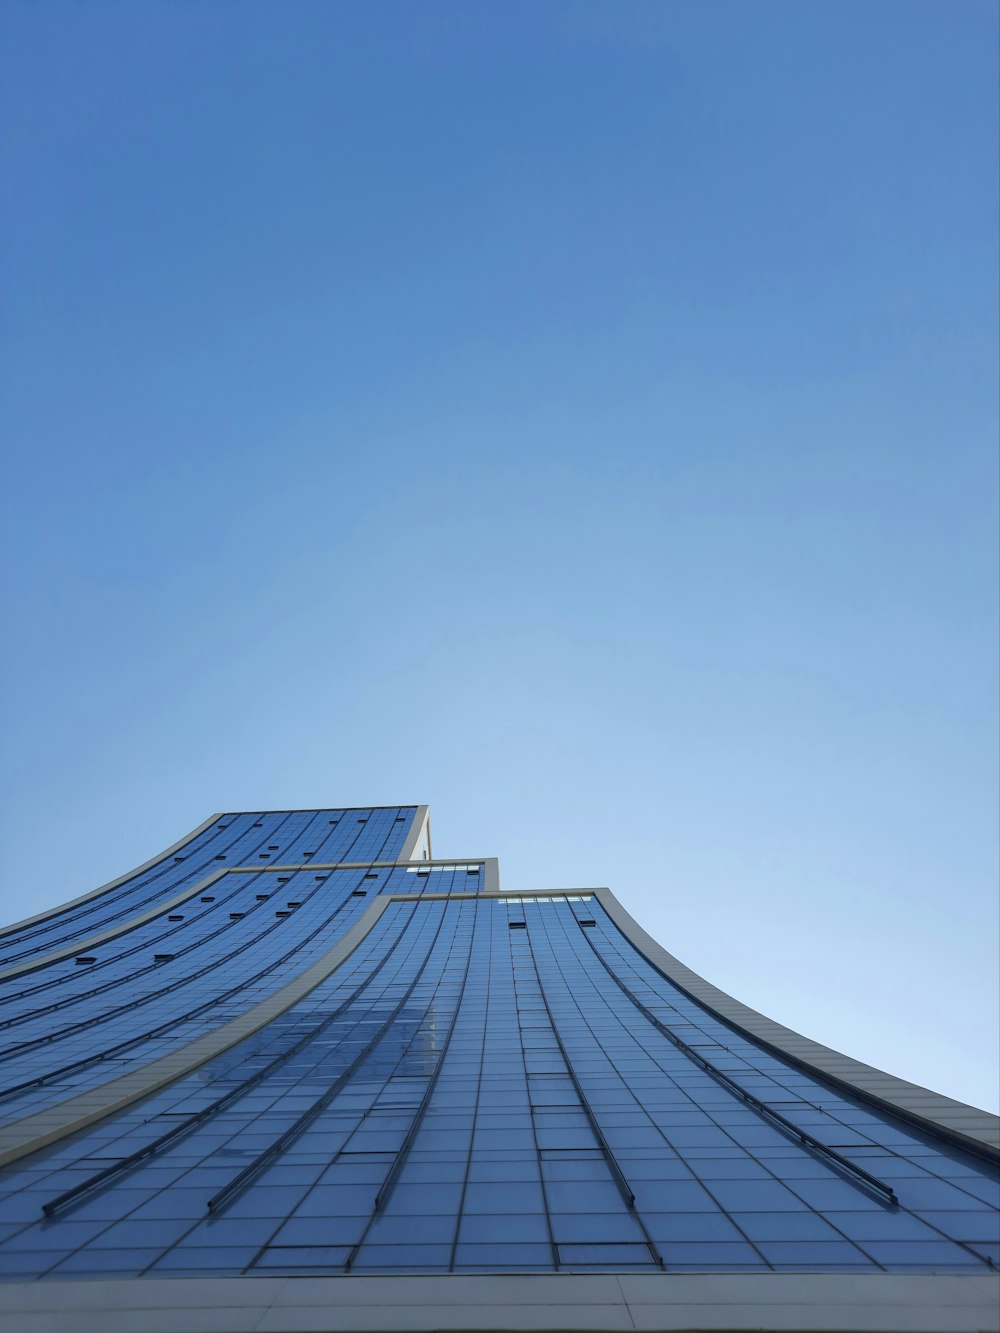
x=580 y=417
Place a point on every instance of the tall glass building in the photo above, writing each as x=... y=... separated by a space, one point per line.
x=297 y=1073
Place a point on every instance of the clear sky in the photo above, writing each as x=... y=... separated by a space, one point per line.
x=579 y=417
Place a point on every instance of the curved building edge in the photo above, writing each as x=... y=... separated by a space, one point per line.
x=112 y=883
x=22 y=1137
x=115 y=932
x=419 y=826
x=958 y=1123
x=965 y=1126
x=40 y=1129
x=491 y=880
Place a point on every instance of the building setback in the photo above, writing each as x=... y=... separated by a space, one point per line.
x=297 y=1074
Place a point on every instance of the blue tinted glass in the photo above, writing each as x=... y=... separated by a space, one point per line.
x=454 y=1095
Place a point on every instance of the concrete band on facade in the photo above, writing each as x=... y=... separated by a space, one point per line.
x=546 y=1303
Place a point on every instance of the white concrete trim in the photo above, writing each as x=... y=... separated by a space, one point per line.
x=490 y=1302
x=421 y=824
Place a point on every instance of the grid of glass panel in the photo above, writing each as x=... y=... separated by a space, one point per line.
x=83 y=1020
x=236 y=839
x=495 y=1085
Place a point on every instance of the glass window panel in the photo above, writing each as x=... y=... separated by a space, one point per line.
x=570 y=1228
x=757 y=1195
x=605 y=1256
x=480 y=1228
x=503 y=1197
x=304 y=1257
x=784 y=1226
x=690 y=1226
x=516 y=1257
x=321 y=1231
x=426 y=1199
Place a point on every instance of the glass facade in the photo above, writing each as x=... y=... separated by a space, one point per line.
x=487 y=1083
